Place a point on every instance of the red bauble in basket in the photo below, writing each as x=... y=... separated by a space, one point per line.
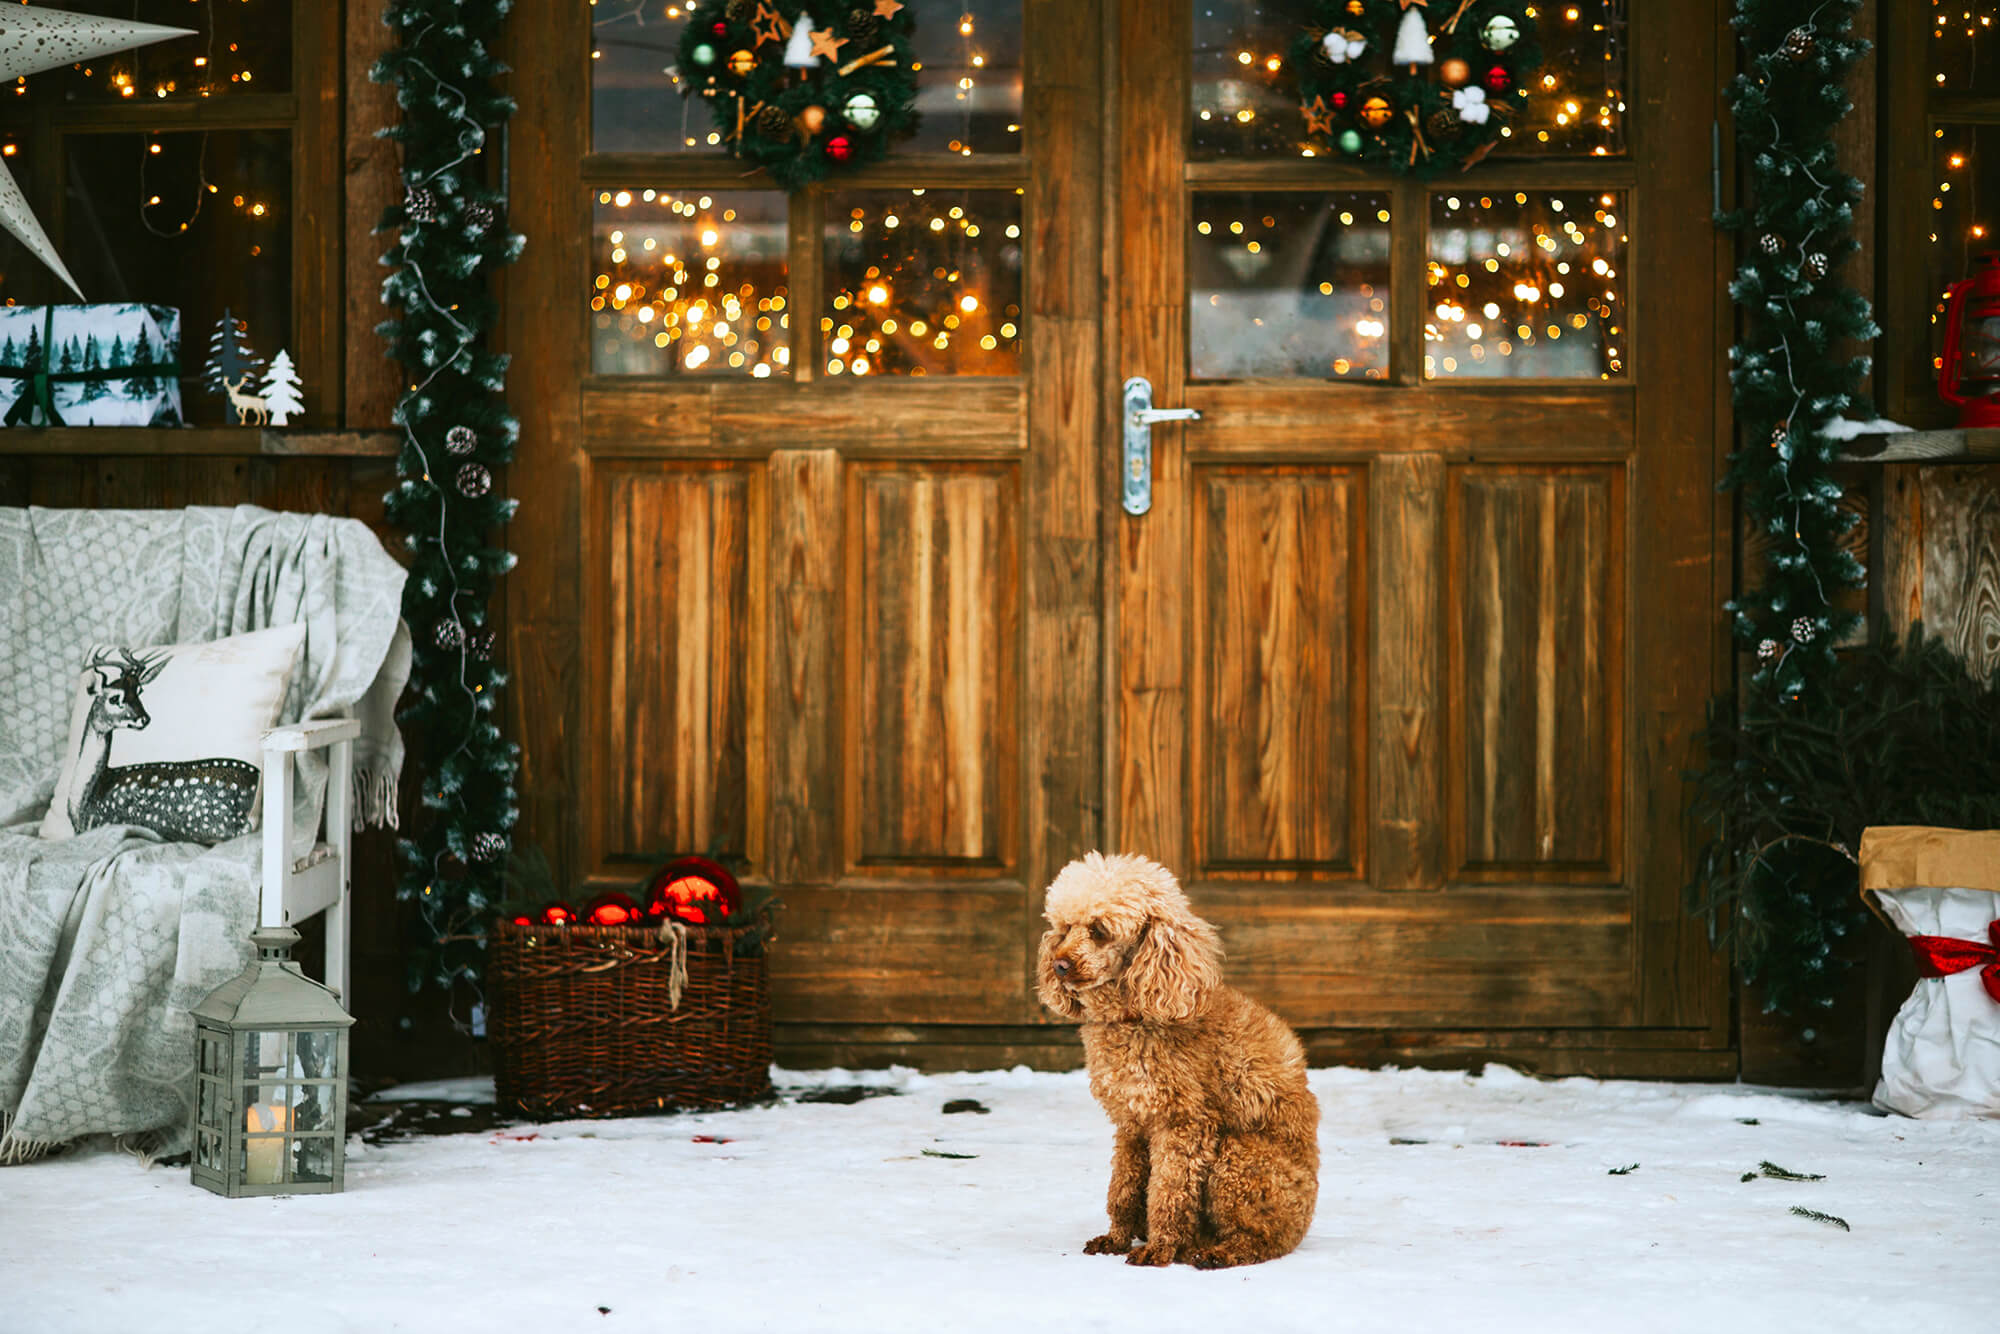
x=557 y=914
x=614 y=907
x=694 y=890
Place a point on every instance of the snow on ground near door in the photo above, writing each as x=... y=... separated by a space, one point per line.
x=1447 y=1202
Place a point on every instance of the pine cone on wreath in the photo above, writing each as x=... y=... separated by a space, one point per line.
x=1800 y=43
x=1771 y=243
x=1443 y=124
x=449 y=634
x=739 y=11
x=773 y=123
x=863 y=26
x=486 y=847
x=1816 y=264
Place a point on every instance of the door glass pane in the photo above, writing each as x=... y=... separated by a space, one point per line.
x=689 y=283
x=1243 y=101
x=1964 y=212
x=969 y=83
x=1578 y=102
x=923 y=282
x=1965 y=48
x=1289 y=283
x=635 y=106
x=1527 y=285
x=968 y=77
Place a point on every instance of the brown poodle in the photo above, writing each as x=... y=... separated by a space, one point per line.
x=1217 y=1159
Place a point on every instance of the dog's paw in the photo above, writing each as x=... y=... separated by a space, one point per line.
x=1214 y=1257
x=1155 y=1255
x=1108 y=1244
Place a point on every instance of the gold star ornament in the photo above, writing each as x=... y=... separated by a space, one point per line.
x=887 y=9
x=1319 y=117
x=826 y=44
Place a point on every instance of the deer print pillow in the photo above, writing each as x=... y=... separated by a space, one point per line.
x=170 y=738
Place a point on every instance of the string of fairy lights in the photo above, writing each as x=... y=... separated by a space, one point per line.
x=1964 y=54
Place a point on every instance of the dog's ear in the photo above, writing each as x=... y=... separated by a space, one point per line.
x=1057 y=998
x=1177 y=964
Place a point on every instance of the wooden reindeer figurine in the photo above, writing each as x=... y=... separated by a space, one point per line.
x=194 y=800
x=246 y=405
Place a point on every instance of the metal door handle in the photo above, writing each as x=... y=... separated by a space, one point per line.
x=1140 y=418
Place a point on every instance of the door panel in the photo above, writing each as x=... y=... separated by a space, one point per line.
x=1391 y=619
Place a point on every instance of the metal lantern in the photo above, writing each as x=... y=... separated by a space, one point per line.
x=1970 y=373
x=270 y=1108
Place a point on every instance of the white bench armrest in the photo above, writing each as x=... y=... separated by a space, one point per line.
x=310 y=735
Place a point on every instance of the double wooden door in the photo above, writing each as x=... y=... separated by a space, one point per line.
x=1400 y=668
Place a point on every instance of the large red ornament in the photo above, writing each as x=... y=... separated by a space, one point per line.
x=614 y=907
x=556 y=914
x=694 y=890
x=1970 y=373
x=1498 y=80
x=840 y=148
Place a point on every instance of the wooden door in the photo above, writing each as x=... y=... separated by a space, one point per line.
x=822 y=592
x=1414 y=640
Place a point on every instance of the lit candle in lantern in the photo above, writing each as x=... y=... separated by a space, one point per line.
x=266 y=1164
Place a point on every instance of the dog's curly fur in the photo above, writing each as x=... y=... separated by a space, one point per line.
x=1217 y=1157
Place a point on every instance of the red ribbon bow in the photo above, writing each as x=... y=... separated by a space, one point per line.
x=1941 y=956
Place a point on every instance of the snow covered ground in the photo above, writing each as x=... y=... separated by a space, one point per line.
x=1478 y=1204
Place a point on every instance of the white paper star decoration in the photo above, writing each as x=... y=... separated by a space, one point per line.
x=33 y=40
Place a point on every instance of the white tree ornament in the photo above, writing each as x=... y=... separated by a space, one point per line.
x=1413 y=41
x=799 y=50
x=33 y=40
x=281 y=389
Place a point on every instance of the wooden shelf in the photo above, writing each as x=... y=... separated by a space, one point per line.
x=1961 y=445
x=87 y=441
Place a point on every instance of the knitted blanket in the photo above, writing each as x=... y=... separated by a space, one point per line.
x=107 y=939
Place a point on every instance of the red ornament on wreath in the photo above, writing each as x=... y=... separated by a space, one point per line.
x=614 y=907
x=694 y=890
x=1339 y=100
x=1498 y=79
x=840 y=148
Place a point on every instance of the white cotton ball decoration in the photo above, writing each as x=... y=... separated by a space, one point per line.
x=1341 y=47
x=1470 y=104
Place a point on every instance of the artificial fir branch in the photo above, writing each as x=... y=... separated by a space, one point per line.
x=450 y=235
x=1831 y=1220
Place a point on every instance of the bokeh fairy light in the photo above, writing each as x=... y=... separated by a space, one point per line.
x=689 y=283
x=922 y=282
x=1285 y=283
x=1963 y=219
x=1526 y=285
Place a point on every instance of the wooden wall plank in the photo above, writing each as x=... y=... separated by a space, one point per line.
x=369 y=170
x=1537 y=658
x=805 y=662
x=1961 y=563
x=932 y=617
x=681 y=709
x=1407 y=583
x=1279 y=740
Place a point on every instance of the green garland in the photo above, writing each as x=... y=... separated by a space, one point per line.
x=1783 y=791
x=1790 y=375
x=1417 y=119
x=802 y=123
x=451 y=234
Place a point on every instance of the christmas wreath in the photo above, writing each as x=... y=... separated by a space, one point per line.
x=1377 y=84
x=826 y=88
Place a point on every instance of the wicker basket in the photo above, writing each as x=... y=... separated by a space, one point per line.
x=585 y=1020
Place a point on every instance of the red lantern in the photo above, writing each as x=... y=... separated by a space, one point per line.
x=557 y=914
x=614 y=907
x=1498 y=80
x=695 y=890
x=840 y=148
x=1970 y=375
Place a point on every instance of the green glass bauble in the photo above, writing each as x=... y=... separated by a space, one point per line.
x=703 y=55
x=1350 y=141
